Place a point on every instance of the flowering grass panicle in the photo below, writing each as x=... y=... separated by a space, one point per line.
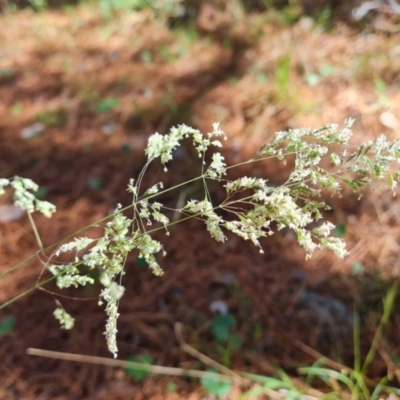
x=252 y=209
x=24 y=195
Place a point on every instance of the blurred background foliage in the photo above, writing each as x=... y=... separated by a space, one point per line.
x=187 y=9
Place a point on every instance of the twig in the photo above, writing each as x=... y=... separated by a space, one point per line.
x=157 y=369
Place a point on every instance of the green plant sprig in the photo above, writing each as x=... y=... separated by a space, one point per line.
x=257 y=209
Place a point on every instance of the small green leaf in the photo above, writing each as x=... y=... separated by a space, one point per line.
x=107 y=105
x=95 y=184
x=139 y=374
x=54 y=117
x=41 y=193
x=282 y=75
x=147 y=56
x=357 y=267
x=235 y=342
x=216 y=386
x=125 y=148
x=395 y=359
x=261 y=78
x=66 y=66
x=380 y=84
x=17 y=108
x=234 y=80
x=141 y=262
x=340 y=230
x=326 y=70
x=172 y=387
x=222 y=325
x=6 y=324
x=6 y=73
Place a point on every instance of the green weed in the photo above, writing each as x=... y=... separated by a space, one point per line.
x=314 y=78
x=355 y=380
x=39 y=5
x=380 y=88
x=217 y=387
x=139 y=374
x=340 y=230
x=342 y=382
x=56 y=117
x=226 y=342
x=282 y=77
x=358 y=267
x=323 y=19
x=107 y=105
x=17 y=109
x=7 y=324
x=172 y=387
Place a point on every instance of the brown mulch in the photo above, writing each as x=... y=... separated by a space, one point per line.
x=60 y=68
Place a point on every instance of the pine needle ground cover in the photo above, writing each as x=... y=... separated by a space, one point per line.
x=98 y=88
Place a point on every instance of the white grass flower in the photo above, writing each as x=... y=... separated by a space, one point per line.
x=217 y=167
x=65 y=319
x=255 y=209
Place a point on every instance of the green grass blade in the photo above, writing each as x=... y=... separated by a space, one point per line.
x=387 y=311
x=325 y=374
